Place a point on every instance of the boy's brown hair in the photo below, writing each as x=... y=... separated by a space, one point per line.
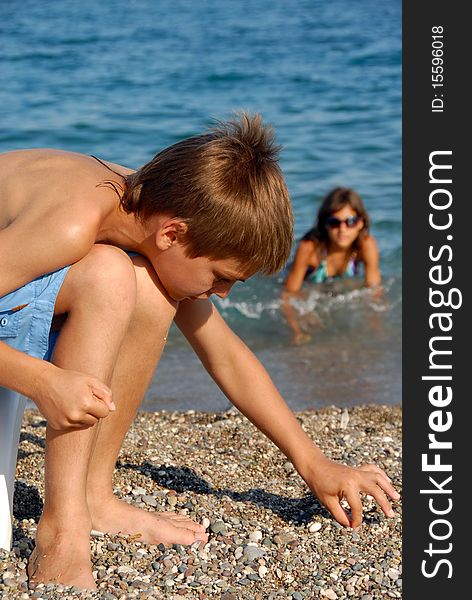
x=227 y=186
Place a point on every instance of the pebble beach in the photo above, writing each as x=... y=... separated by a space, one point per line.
x=269 y=537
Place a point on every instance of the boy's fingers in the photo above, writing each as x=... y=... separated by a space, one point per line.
x=86 y=422
x=382 y=480
x=98 y=409
x=103 y=393
x=338 y=512
x=355 y=503
x=375 y=469
x=382 y=501
x=388 y=488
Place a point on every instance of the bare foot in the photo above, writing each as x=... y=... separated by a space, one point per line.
x=61 y=556
x=116 y=516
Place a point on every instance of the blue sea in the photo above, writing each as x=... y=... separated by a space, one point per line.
x=123 y=79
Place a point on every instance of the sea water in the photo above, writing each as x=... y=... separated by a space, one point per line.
x=123 y=79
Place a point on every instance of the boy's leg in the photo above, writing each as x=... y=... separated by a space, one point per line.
x=98 y=293
x=137 y=359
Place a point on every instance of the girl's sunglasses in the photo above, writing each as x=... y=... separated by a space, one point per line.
x=334 y=223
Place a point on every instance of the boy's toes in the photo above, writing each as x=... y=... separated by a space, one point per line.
x=188 y=525
x=187 y=537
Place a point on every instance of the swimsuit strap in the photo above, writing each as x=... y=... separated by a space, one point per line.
x=105 y=165
x=114 y=185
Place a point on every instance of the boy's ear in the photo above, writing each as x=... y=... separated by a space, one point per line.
x=169 y=233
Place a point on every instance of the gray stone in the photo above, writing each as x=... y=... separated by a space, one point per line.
x=150 y=501
x=218 y=527
x=284 y=538
x=253 y=552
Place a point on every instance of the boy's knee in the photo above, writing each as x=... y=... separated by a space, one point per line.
x=152 y=303
x=106 y=275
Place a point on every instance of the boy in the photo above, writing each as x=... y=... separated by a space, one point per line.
x=204 y=213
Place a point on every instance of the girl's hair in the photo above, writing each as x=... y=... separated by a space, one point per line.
x=335 y=200
x=227 y=186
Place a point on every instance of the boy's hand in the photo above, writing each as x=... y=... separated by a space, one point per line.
x=72 y=400
x=331 y=481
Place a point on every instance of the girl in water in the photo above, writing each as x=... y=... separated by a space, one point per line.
x=333 y=249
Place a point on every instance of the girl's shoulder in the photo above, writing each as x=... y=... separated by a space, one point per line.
x=367 y=247
x=309 y=247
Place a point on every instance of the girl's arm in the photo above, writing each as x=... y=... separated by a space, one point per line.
x=292 y=285
x=247 y=384
x=369 y=254
x=301 y=262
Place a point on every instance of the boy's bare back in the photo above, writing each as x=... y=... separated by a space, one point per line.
x=53 y=207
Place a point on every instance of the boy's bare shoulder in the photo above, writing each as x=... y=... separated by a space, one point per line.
x=52 y=205
x=33 y=183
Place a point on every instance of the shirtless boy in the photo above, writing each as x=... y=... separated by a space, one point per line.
x=204 y=213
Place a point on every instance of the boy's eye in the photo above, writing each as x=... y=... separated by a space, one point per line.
x=219 y=279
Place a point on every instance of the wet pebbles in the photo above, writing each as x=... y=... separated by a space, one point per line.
x=269 y=537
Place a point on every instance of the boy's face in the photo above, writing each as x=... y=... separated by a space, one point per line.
x=196 y=278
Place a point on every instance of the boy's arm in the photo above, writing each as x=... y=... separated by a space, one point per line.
x=36 y=244
x=32 y=246
x=246 y=383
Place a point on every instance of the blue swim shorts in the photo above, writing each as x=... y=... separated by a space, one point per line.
x=26 y=315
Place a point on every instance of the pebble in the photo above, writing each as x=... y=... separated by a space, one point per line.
x=284 y=538
x=253 y=552
x=149 y=500
x=218 y=527
x=255 y=536
x=262 y=571
x=260 y=516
